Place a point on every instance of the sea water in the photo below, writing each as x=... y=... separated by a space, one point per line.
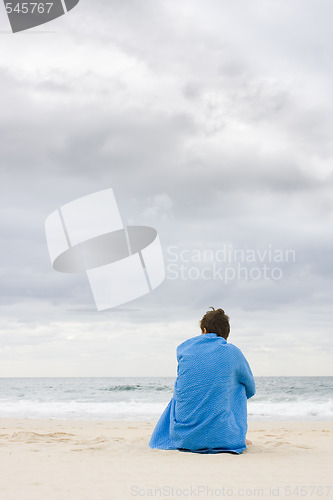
x=144 y=398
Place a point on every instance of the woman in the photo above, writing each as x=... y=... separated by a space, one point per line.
x=208 y=410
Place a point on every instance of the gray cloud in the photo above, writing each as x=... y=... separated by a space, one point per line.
x=212 y=123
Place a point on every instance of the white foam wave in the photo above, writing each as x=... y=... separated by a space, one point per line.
x=301 y=410
x=122 y=410
x=146 y=410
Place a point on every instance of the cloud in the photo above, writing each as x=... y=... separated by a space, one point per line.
x=212 y=123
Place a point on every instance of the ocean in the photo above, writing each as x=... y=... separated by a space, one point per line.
x=144 y=398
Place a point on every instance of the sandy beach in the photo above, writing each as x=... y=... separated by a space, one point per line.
x=83 y=460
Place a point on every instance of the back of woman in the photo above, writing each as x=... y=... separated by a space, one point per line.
x=208 y=410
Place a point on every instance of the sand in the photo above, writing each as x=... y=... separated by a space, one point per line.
x=49 y=459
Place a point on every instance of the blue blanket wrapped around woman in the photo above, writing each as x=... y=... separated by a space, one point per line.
x=208 y=410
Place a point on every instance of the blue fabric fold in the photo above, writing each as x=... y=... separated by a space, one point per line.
x=208 y=410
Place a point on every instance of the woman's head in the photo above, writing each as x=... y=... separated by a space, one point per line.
x=216 y=321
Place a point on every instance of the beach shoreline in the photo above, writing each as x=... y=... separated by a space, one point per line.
x=106 y=460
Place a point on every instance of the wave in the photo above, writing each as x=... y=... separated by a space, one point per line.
x=282 y=410
x=148 y=410
x=137 y=387
x=131 y=398
x=80 y=410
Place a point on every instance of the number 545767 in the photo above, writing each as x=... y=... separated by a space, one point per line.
x=28 y=7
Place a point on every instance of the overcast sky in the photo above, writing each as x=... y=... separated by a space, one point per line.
x=212 y=121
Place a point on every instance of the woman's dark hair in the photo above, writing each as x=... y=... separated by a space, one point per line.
x=216 y=321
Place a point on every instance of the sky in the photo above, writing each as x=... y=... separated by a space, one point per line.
x=212 y=123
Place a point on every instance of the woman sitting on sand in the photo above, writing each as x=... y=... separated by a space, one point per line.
x=208 y=410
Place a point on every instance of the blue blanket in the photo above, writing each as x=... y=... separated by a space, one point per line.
x=208 y=410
